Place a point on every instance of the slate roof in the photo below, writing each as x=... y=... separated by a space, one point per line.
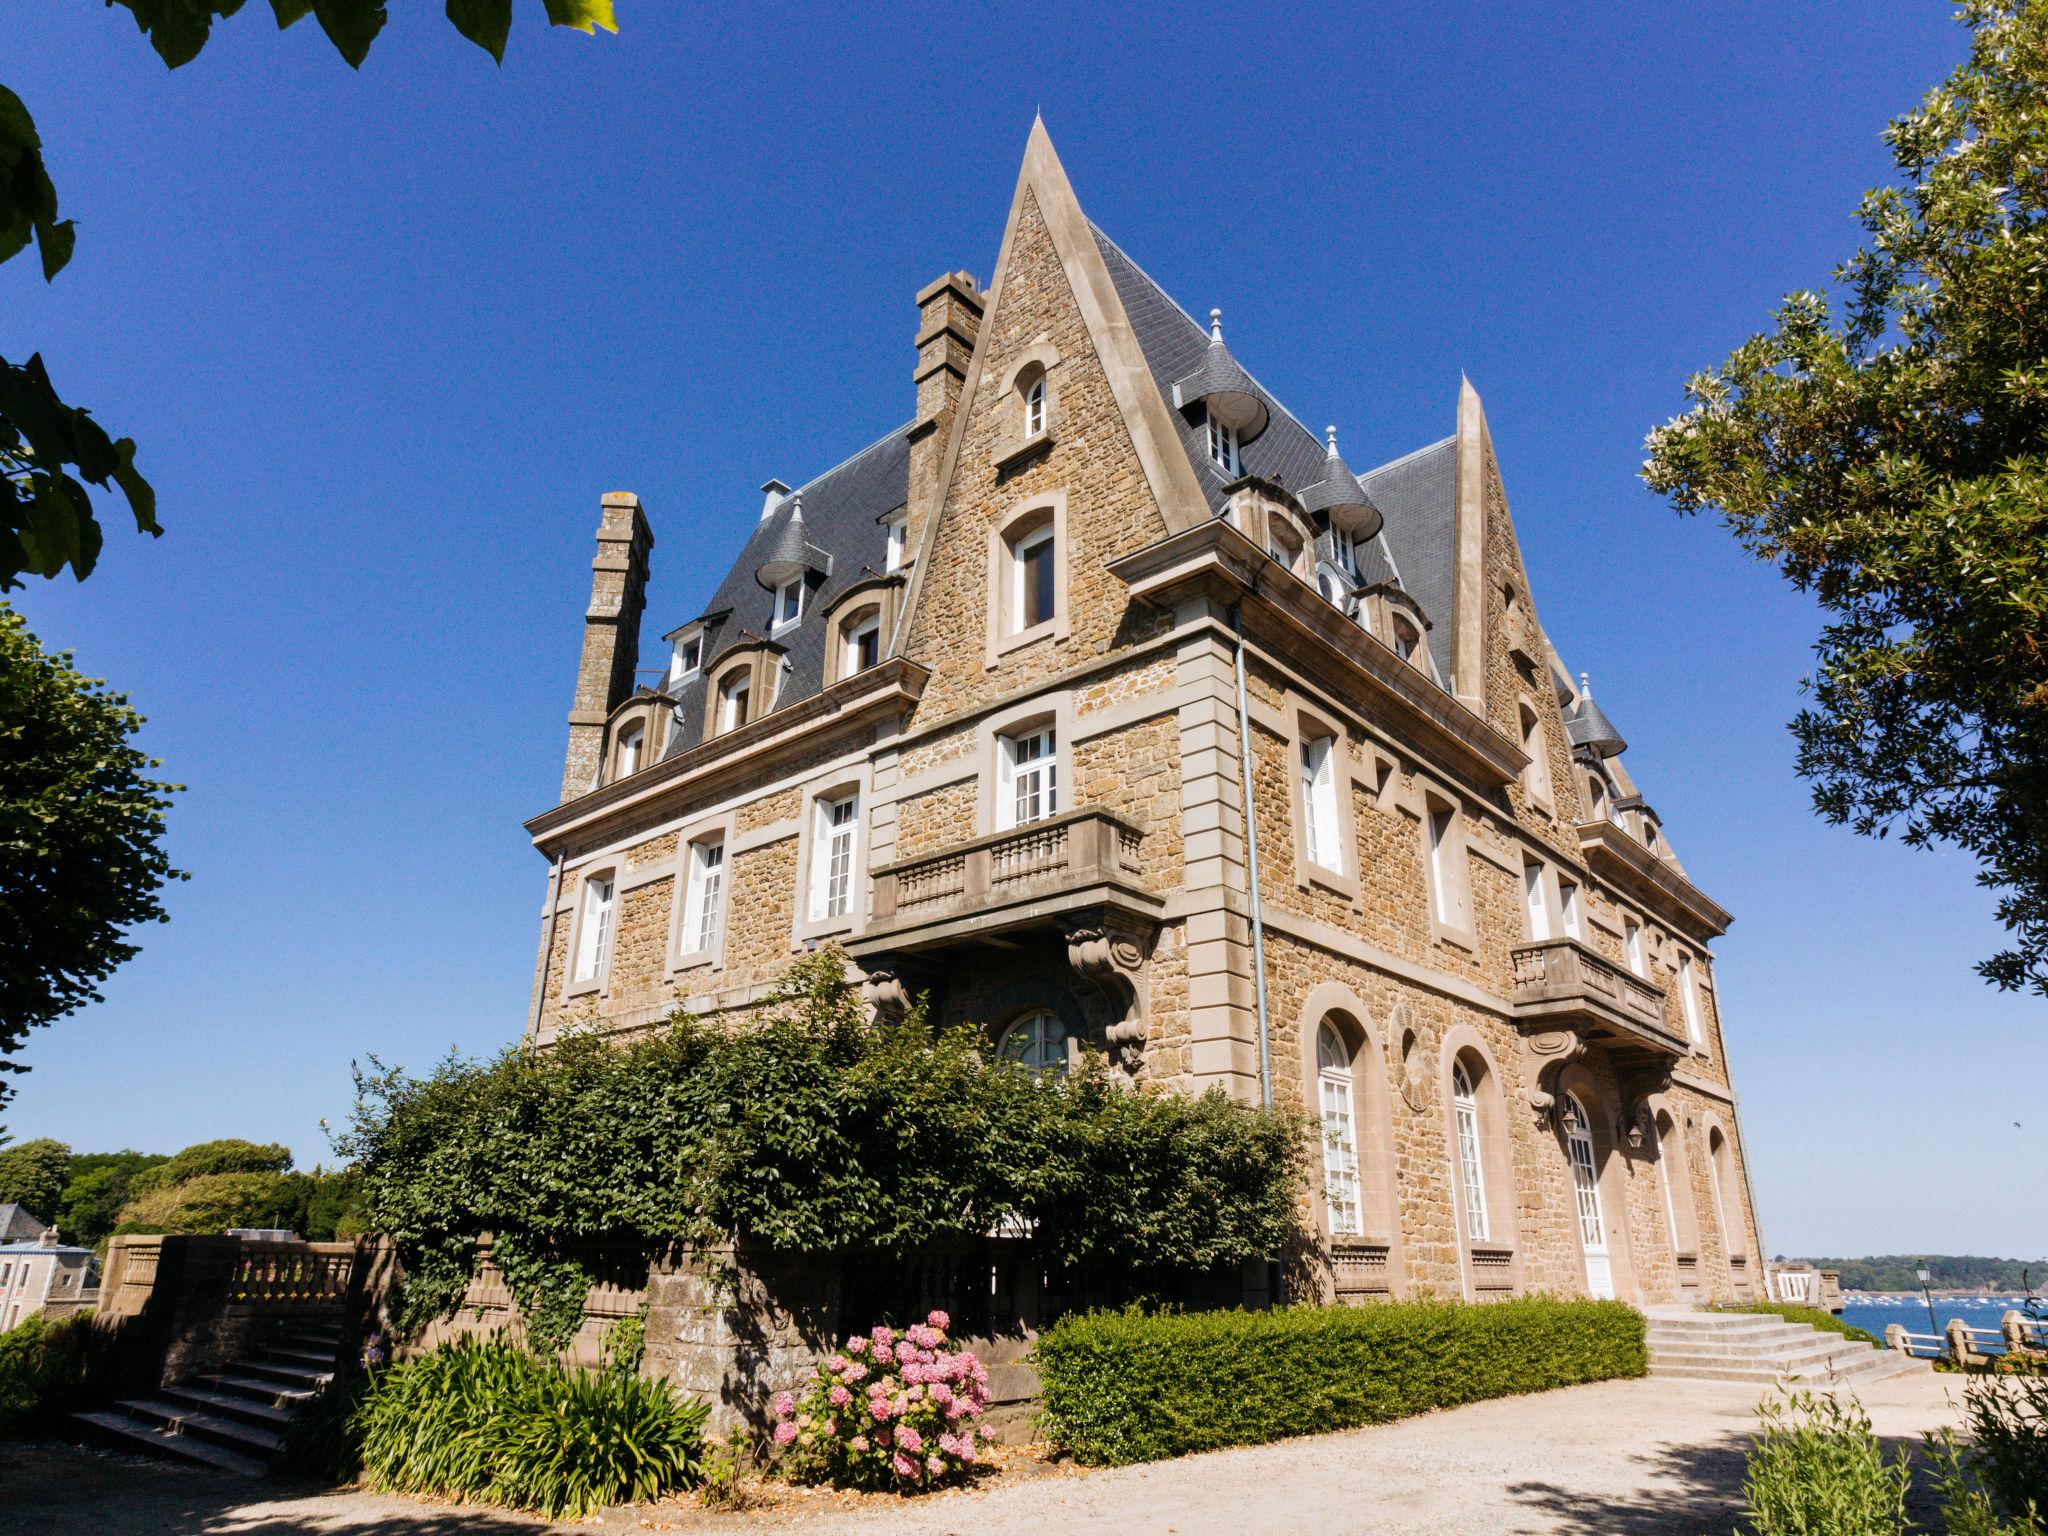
x=1418 y=496
x=842 y=512
x=17 y=1222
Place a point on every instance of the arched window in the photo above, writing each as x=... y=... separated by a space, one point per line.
x=1536 y=777
x=735 y=698
x=1596 y=798
x=1282 y=542
x=862 y=638
x=1038 y=1040
x=1471 y=1168
x=1585 y=1165
x=1034 y=402
x=1407 y=638
x=1033 y=554
x=1671 y=1168
x=631 y=740
x=1340 y=1134
x=1720 y=1174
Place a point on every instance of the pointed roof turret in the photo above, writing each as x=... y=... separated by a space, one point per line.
x=1339 y=494
x=1589 y=727
x=1223 y=388
x=790 y=553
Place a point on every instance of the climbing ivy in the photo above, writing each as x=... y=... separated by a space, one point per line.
x=815 y=1130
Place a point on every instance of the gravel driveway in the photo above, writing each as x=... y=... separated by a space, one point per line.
x=1638 y=1457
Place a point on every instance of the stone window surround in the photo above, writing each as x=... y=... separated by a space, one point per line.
x=1001 y=556
x=1372 y=1120
x=722 y=828
x=1010 y=1018
x=1304 y=722
x=643 y=711
x=762 y=659
x=1496 y=1154
x=1534 y=740
x=1054 y=709
x=1013 y=443
x=1460 y=927
x=1735 y=1242
x=806 y=931
x=612 y=869
x=882 y=593
x=1612 y=1169
x=1674 y=1170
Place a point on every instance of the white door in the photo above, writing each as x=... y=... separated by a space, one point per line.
x=1578 y=1140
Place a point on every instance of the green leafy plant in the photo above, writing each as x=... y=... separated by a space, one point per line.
x=43 y=1373
x=1815 y=1469
x=486 y=1422
x=2007 y=1415
x=1812 y=1317
x=625 y=1344
x=1131 y=1386
x=1966 y=1509
x=812 y=1129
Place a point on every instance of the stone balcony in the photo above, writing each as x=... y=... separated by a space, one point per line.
x=1563 y=984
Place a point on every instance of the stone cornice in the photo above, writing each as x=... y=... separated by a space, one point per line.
x=1214 y=560
x=1627 y=866
x=890 y=689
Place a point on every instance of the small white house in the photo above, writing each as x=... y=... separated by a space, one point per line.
x=46 y=1277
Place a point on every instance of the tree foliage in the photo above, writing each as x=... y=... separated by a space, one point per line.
x=96 y=1186
x=815 y=1129
x=1888 y=457
x=47 y=518
x=32 y=1176
x=81 y=834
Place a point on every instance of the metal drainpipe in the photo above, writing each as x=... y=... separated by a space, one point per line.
x=1251 y=850
x=547 y=954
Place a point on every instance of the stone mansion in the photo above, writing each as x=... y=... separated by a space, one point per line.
x=1107 y=707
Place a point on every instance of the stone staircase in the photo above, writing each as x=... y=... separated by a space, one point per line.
x=232 y=1419
x=1750 y=1346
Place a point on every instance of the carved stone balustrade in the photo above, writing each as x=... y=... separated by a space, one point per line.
x=1563 y=984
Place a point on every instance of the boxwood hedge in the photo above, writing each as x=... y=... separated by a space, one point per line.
x=1129 y=1386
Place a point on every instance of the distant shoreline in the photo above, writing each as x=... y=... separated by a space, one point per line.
x=1937 y=1295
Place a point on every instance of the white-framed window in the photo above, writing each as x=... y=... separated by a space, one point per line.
x=1596 y=798
x=1037 y=1041
x=1568 y=907
x=1533 y=904
x=1471 y=1170
x=1650 y=836
x=1282 y=542
x=1032 y=572
x=1441 y=843
x=735 y=699
x=1407 y=638
x=1028 y=782
x=1689 y=1000
x=834 y=841
x=1034 y=406
x=892 y=556
x=789 y=604
x=1319 y=825
x=1344 y=549
x=686 y=658
x=594 y=932
x=1632 y=943
x=631 y=741
x=863 y=643
x=704 y=906
x=1340 y=1135
x=1223 y=447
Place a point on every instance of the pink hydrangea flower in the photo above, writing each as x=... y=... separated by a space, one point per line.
x=987 y=1433
x=884 y=1355
x=939 y=1320
x=881 y=1335
x=856 y=1345
x=941 y=1393
x=785 y=1433
x=839 y=1396
x=966 y=1451
x=908 y=1438
x=858 y=1444
x=937 y=1466
x=879 y=1408
x=903 y=1465
x=785 y=1404
x=921 y=1336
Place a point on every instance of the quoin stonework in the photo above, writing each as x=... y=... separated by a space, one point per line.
x=980 y=705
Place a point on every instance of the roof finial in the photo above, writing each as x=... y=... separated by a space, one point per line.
x=1330 y=437
x=1585 y=686
x=1215 y=325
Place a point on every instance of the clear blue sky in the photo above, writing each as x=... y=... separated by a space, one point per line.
x=386 y=337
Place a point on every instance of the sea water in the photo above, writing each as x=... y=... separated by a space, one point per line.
x=1872 y=1313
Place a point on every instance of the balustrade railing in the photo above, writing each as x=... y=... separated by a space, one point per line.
x=1077 y=849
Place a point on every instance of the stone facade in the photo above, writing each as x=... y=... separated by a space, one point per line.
x=1471 y=915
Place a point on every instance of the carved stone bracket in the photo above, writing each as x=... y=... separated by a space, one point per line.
x=1550 y=1052
x=1638 y=1115
x=889 y=988
x=1110 y=953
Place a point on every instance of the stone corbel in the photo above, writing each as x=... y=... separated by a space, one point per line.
x=890 y=989
x=1550 y=1052
x=1110 y=952
x=1639 y=1115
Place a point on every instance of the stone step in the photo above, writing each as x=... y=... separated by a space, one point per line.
x=273 y=1393
x=1734 y=1327
x=300 y=1355
x=228 y=1433
x=1773 y=1339
x=235 y=1405
x=303 y=1377
x=124 y=1433
x=1790 y=1358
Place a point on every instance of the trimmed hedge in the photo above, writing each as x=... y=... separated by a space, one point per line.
x=1813 y=1317
x=1121 y=1387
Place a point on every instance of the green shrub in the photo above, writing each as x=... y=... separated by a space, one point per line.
x=323 y=1443
x=42 y=1374
x=2008 y=1451
x=489 y=1423
x=814 y=1129
x=1817 y=1470
x=1813 y=1317
x=1130 y=1386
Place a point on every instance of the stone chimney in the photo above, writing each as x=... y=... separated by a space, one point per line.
x=611 y=634
x=948 y=315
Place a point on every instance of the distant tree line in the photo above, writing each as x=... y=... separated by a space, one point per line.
x=208 y=1187
x=1946 y=1272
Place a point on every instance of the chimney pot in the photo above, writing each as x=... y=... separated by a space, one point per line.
x=773 y=493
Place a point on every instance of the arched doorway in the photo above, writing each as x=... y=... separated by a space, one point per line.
x=1578 y=1141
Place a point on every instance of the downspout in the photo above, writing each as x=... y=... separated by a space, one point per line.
x=1251 y=853
x=547 y=954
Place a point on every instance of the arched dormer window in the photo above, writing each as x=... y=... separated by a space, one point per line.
x=860 y=638
x=632 y=746
x=1223 y=448
x=1283 y=540
x=1407 y=638
x=1034 y=402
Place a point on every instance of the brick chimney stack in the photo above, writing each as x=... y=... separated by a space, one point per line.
x=948 y=315
x=611 y=634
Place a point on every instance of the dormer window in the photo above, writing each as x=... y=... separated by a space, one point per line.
x=1034 y=406
x=863 y=639
x=631 y=740
x=1223 y=447
x=1344 y=550
x=892 y=559
x=735 y=696
x=1406 y=638
x=789 y=603
x=1282 y=543
x=687 y=659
